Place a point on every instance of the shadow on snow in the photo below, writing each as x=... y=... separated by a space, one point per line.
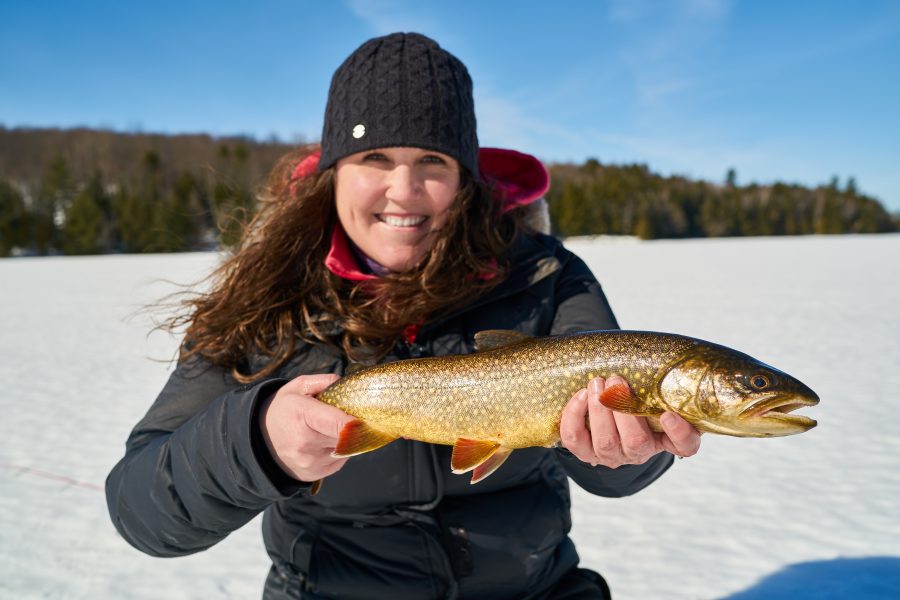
x=857 y=578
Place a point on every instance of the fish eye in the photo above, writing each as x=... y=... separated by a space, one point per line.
x=759 y=382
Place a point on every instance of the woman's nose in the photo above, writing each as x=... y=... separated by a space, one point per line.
x=403 y=184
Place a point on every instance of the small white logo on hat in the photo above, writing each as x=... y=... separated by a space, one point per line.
x=359 y=131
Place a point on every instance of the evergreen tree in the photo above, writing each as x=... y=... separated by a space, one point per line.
x=84 y=224
x=48 y=213
x=136 y=222
x=569 y=211
x=731 y=178
x=646 y=226
x=179 y=217
x=15 y=222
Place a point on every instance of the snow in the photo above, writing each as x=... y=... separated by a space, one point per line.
x=809 y=516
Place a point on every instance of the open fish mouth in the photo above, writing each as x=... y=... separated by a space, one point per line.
x=780 y=409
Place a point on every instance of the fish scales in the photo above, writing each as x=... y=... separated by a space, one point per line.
x=487 y=395
x=512 y=393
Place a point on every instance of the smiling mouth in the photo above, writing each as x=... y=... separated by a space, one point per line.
x=396 y=221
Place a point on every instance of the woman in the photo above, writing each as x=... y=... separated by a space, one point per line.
x=398 y=239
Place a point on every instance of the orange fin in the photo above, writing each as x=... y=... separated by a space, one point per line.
x=491 y=464
x=315 y=487
x=495 y=338
x=620 y=398
x=358 y=437
x=468 y=454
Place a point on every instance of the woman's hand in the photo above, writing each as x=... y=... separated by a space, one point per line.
x=301 y=432
x=600 y=436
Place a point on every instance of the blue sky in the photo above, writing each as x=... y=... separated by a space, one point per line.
x=790 y=91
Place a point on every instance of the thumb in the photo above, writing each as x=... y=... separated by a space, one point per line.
x=325 y=419
x=310 y=385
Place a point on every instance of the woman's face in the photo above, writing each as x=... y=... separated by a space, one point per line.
x=392 y=201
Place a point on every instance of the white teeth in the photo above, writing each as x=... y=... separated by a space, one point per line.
x=402 y=221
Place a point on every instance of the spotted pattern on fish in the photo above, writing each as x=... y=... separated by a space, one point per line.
x=512 y=394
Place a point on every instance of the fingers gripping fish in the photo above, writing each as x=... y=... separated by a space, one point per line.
x=510 y=393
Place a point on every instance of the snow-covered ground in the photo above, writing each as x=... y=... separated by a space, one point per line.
x=809 y=516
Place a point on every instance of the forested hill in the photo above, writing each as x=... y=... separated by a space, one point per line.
x=82 y=191
x=595 y=198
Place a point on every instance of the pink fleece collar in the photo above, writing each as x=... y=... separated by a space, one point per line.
x=517 y=179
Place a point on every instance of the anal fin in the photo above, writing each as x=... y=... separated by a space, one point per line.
x=468 y=454
x=491 y=464
x=358 y=437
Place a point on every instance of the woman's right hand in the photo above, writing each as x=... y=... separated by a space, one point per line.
x=301 y=432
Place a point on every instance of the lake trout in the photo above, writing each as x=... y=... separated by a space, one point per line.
x=511 y=392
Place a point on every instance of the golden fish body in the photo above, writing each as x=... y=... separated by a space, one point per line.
x=512 y=392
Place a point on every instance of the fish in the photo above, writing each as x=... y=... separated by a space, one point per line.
x=511 y=392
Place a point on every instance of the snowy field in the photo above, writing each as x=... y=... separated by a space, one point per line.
x=802 y=517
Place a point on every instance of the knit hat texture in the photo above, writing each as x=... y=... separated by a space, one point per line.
x=402 y=89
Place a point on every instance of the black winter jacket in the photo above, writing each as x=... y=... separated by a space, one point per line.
x=393 y=523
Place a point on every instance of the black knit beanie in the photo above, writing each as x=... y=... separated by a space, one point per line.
x=400 y=90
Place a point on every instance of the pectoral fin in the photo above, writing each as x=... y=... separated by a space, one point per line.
x=495 y=338
x=468 y=454
x=358 y=437
x=621 y=398
x=491 y=464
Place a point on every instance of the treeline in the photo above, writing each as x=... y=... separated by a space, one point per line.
x=595 y=199
x=84 y=191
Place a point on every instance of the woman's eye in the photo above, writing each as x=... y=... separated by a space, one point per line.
x=374 y=157
x=433 y=159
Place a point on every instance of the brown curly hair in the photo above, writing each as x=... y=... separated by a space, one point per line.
x=274 y=289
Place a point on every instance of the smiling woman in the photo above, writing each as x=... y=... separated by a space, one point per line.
x=392 y=203
x=397 y=238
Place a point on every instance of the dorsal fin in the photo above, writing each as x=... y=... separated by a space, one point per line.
x=496 y=338
x=355 y=367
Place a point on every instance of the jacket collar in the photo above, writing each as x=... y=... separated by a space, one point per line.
x=341 y=259
x=534 y=258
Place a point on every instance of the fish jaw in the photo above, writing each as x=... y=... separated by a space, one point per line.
x=774 y=416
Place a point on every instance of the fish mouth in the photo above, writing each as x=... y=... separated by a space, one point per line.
x=778 y=410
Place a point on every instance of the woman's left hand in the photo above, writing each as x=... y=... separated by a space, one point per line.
x=600 y=436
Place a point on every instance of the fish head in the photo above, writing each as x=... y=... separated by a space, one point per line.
x=725 y=391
